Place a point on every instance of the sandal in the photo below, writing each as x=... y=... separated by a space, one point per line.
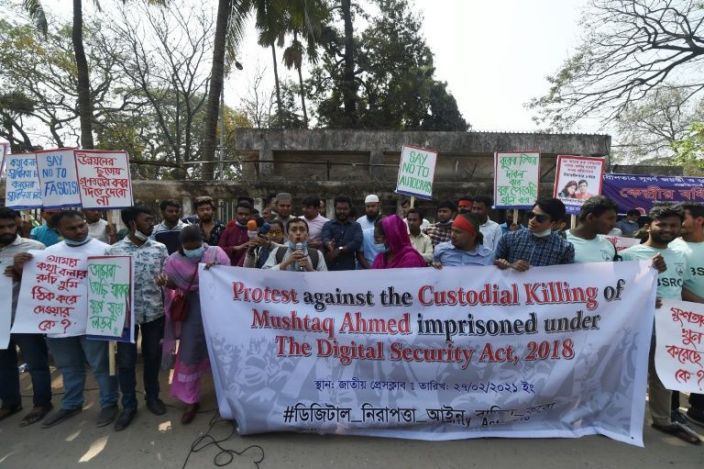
x=681 y=431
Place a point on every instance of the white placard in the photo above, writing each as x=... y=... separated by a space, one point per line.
x=110 y=298
x=679 y=345
x=59 y=182
x=416 y=172
x=516 y=179
x=22 y=185
x=104 y=179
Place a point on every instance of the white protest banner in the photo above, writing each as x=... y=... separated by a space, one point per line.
x=466 y=352
x=621 y=242
x=516 y=179
x=104 y=179
x=110 y=298
x=416 y=172
x=679 y=345
x=52 y=295
x=22 y=186
x=577 y=178
x=57 y=173
x=5 y=303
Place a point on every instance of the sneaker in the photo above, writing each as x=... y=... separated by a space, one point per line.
x=156 y=406
x=124 y=419
x=60 y=416
x=107 y=415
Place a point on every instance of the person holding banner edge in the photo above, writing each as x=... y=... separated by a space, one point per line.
x=664 y=228
x=33 y=346
x=148 y=257
x=72 y=352
x=191 y=361
x=691 y=245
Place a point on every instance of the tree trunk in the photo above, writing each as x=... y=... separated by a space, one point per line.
x=349 y=89
x=276 y=80
x=85 y=108
x=217 y=77
x=300 y=84
x=303 y=97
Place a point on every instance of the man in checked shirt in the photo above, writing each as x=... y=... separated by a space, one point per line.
x=538 y=245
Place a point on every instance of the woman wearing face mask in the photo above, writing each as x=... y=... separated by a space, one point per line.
x=181 y=273
x=391 y=235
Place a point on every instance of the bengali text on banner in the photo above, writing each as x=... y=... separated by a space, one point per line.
x=464 y=352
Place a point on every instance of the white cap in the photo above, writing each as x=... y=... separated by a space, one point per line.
x=371 y=199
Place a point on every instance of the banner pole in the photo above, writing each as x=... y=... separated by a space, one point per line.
x=112 y=345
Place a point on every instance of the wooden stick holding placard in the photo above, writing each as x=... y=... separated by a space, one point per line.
x=573 y=222
x=413 y=201
x=112 y=345
x=515 y=216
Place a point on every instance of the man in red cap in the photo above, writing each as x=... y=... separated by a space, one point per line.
x=465 y=245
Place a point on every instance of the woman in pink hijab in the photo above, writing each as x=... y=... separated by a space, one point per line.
x=391 y=234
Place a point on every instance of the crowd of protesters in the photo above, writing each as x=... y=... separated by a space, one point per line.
x=166 y=258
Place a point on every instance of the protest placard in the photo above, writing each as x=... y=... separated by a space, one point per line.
x=466 y=352
x=104 y=179
x=416 y=172
x=679 y=342
x=516 y=179
x=110 y=298
x=577 y=178
x=22 y=186
x=57 y=175
x=5 y=303
x=53 y=295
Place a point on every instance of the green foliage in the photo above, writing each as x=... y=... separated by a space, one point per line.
x=395 y=76
x=689 y=150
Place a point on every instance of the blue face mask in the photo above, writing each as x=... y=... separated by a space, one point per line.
x=380 y=247
x=194 y=253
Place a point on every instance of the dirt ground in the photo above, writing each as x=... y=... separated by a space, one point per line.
x=153 y=442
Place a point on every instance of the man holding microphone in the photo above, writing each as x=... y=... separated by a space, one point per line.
x=297 y=257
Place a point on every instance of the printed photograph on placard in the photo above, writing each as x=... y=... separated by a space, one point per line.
x=577 y=178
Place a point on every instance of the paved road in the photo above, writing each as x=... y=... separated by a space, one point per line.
x=153 y=442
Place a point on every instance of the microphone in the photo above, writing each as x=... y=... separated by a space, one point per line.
x=299 y=247
x=264 y=229
x=252 y=229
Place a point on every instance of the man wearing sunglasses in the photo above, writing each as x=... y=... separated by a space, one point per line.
x=538 y=245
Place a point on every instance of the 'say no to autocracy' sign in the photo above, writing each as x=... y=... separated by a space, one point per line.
x=416 y=172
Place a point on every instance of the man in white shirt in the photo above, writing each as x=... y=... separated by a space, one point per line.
x=420 y=241
x=71 y=352
x=491 y=231
x=297 y=257
x=371 y=210
x=311 y=213
x=99 y=228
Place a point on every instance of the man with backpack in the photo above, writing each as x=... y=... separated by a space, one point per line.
x=297 y=256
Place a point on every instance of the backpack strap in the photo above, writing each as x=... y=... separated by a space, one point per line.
x=280 y=253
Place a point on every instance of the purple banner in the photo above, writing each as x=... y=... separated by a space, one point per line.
x=641 y=192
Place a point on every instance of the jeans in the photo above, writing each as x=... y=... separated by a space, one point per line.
x=71 y=355
x=35 y=354
x=152 y=333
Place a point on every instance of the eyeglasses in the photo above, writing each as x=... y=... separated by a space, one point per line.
x=540 y=218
